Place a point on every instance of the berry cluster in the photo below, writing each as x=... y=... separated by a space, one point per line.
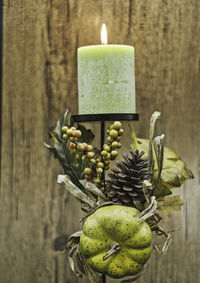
x=72 y=135
x=109 y=151
x=94 y=169
x=97 y=162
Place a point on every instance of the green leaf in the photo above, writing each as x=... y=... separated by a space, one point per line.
x=161 y=190
x=168 y=169
x=174 y=170
x=56 y=131
x=71 y=161
x=168 y=204
x=70 y=164
x=87 y=135
x=134 y=140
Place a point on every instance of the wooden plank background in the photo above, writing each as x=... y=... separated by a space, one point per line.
x=40 y=40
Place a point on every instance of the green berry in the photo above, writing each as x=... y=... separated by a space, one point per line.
x=111 y=127
x=100 y=165
x=84 y=158
x=65 y=136
x=117 y=125
x=73 y=139
x=90 y=147
x=108 y=131
x=113 y=133
x=115 y=144
x=90 y=154
x=104 y=153
x=97 y=181
x=99 y=170
x=93 y=161
x=114 y=153
x=109 y=139
x=106 y=147
x=87 y=171
x=106 y=162
x=64 y=129
x=76 y=133
x=80 y=147
x=118 y=138
x=85 y=146
x=119 y=145
x=107 y=167
x=73 y=129
x=108 y=155
x=72 y=145
x=69 y=132
x=121 y=132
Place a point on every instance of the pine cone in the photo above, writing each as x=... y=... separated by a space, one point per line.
x=125 y=185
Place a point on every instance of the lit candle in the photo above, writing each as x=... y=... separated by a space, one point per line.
x=106 y=79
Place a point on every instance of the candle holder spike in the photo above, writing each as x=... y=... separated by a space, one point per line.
x=103 y=118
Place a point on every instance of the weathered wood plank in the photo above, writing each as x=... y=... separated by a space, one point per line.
x=40 y=81
x=35 y=210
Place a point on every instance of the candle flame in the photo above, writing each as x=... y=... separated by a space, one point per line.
x=104 y=35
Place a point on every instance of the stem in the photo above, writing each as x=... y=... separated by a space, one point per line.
x=168 y=240
x=103 y=278
x=114 y=248
x=102 y=142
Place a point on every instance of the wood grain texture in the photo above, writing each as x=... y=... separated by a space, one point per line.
x=40 y=80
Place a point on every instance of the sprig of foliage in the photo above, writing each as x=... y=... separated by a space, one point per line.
x=168 y=169
x=169 y=172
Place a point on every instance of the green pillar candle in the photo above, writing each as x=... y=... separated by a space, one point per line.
x=106 y=80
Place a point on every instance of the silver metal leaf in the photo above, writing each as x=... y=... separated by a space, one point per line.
x=156 y=115
x=149 y=211
x=159 y=151
x=74 y=190
x=93 y=189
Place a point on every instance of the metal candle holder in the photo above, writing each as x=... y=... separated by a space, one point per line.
x=103 y=118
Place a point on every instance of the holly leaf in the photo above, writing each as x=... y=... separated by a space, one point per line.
x=87 y=136
x=72 y=166
x=168 y=204
x=174 y=171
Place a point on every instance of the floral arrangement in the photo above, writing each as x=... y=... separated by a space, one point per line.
x=124 y=209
